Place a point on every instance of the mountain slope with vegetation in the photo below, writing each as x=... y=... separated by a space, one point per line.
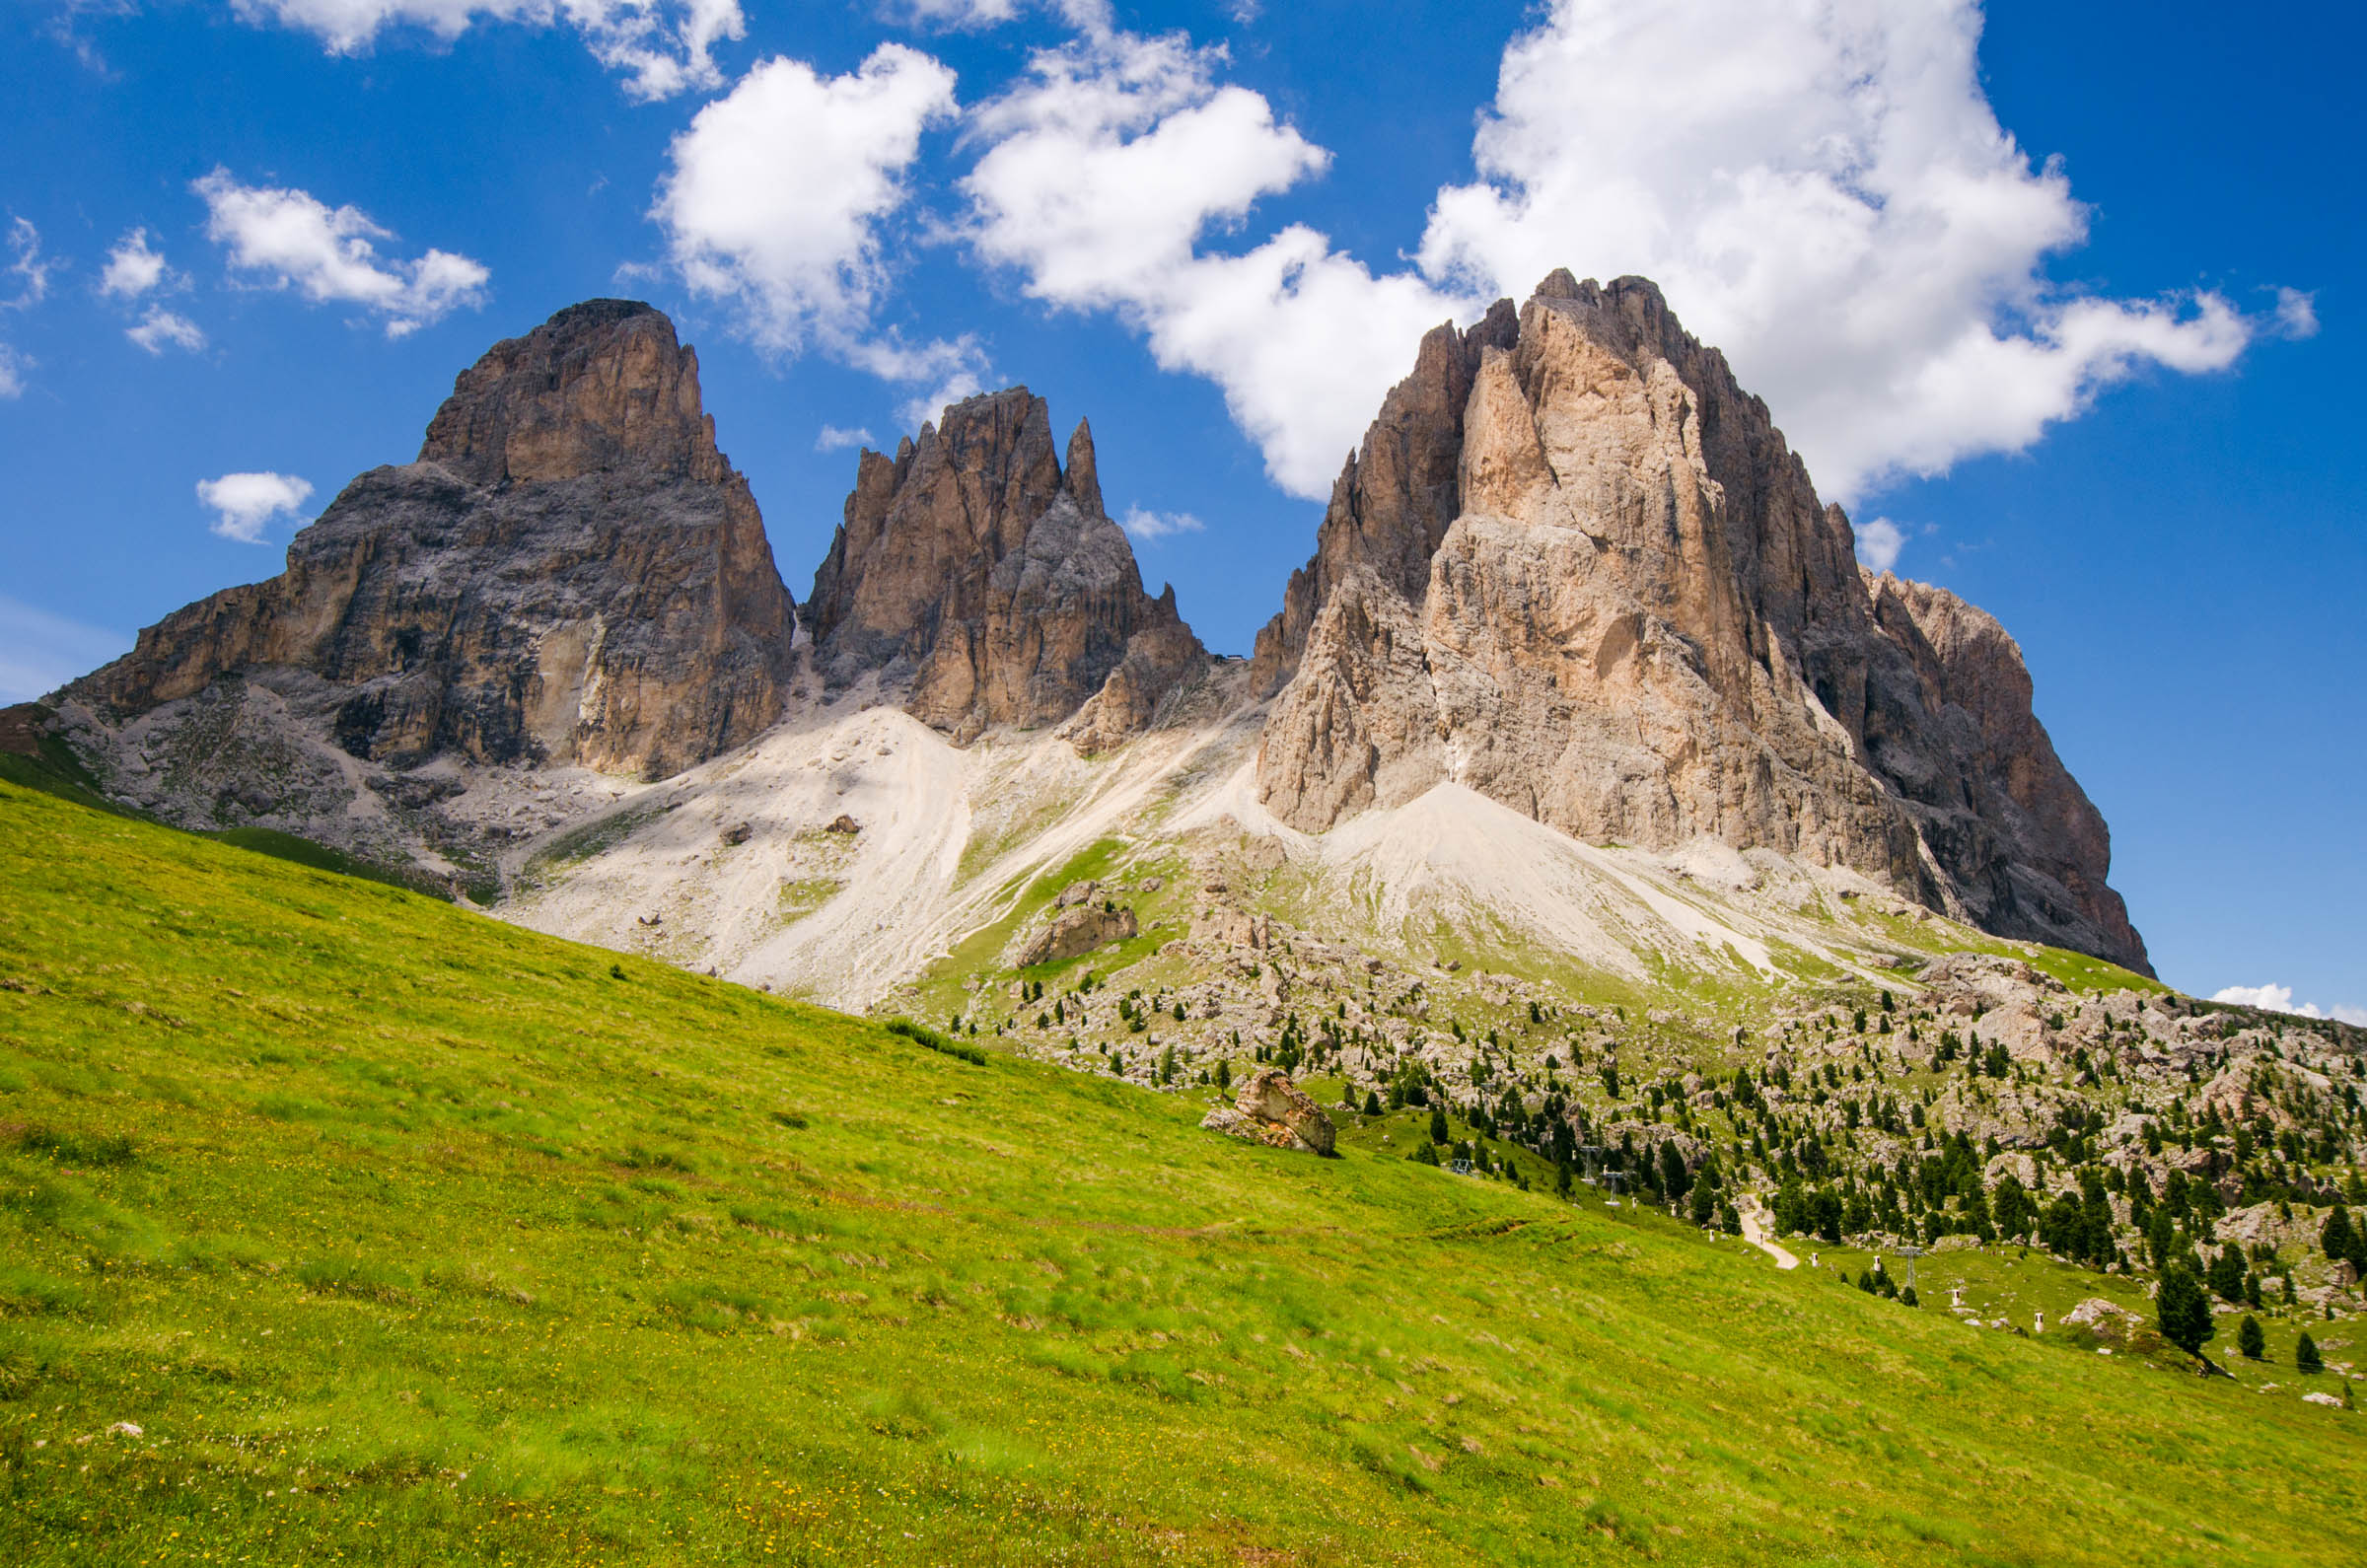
x=336 y=1221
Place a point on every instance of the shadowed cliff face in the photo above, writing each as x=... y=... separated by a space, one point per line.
x=569 y=572
x=991 y=587
x=1574 y=567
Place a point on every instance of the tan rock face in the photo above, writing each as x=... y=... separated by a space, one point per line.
x=1575 y=568
x=570 y=571
x=989 y=584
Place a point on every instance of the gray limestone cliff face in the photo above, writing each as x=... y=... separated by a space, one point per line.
x=570 y=571
x=1575 y=567
x=986 y=583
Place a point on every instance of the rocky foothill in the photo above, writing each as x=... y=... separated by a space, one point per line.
x=1975 y=1098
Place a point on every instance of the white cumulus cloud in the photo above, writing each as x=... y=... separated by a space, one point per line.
x=40 y=651
x=2279 y=999
x=838 y=438
x=1879 y=543
x=245 y=504
x=1106 y=169
x=663 y=46
x=133 y=268
x=776 y=197
x=2296 y=314
x=294 y=240
x=160 y=328
x=1144 y=528
x=1820 y=188
x=947 y=370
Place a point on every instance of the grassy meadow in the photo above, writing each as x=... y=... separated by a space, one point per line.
x=399 y=1235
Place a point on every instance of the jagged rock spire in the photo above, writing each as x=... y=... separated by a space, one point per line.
x=985 y=581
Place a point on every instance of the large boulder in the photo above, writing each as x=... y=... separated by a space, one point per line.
x=1272 y=1110
x=2106 y=1320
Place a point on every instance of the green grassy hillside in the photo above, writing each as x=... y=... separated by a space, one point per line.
x=401 y=1235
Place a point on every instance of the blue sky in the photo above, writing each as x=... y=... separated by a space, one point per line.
x=2065 y=299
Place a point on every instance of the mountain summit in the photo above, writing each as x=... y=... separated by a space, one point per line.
x=570 y=571
x=1575 y=569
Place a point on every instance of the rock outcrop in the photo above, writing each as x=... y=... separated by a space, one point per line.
x=1075 y=932
x=569 y=571
x=986 y=585
x=1575 y=568
x=1272 y=1110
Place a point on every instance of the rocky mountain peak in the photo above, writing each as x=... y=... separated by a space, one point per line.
x=1574 y=567
x=571 y=572
x=1399 y=491
x=601 y=386
x=982 y=579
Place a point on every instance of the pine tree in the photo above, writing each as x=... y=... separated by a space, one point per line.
x=1673 y=1178
x=2306 y=1357
x=2227 y=1274
x=2340 y=1241
x=1438 y=1124
x=1372 y=1103
x=2249 y=1338
x=1224 y=1075
x=2182 y=1311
